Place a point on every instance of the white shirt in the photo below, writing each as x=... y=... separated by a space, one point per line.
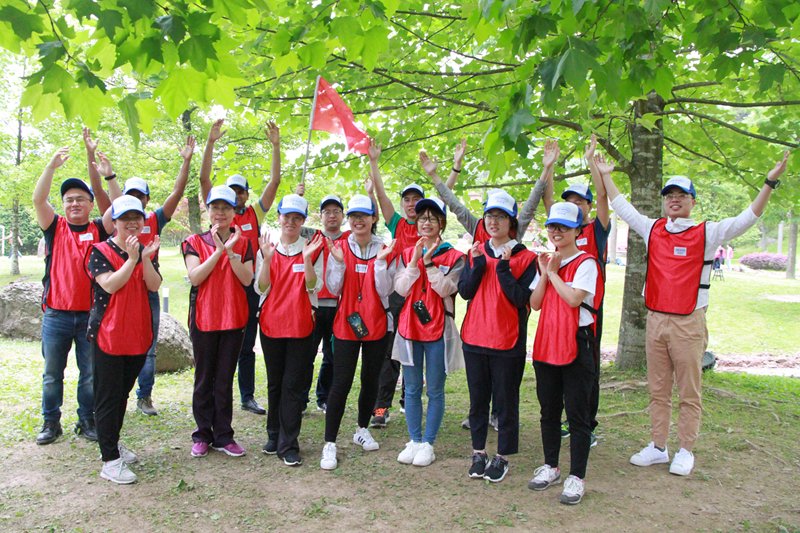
x=499 y=251
x=293 y=249
x=716 y=234
x=586 y=280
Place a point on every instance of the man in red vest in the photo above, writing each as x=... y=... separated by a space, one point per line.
x=249 y=219
x=67 y=295
x=679 y=255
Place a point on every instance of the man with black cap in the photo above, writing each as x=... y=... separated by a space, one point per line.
x=67 y=296
x=679 y=257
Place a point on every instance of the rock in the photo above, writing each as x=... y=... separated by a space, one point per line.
x=21 y=310
x=174 y=348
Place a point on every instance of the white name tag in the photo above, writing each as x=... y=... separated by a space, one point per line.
x=444 y=268
x=86 y=237
x=582 y=242
x=247 y=227
x=362 y=269
x=299 y=268
x=146 y=229
x=680 y=251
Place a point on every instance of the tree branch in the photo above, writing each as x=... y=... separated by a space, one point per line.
x=732 y=104
x=434 y=15
x=729 y=126
x=673 y=141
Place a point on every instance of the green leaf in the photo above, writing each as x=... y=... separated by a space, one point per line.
x=376 y=41
x=221 y=92
x=768 y=75
x=577 y=5
x=516 y=122
x=281 y=43
x=180 y=87
x=65 y=29
x=574 y=66
x=648 y=121
x=109 y=20
x=350 y=34
x=131 y=115
x=56 y=79
x=89 y=78
x=83 y=9
x=390 y=6
x=138 y=8
x=377 y=9
x=199 y=23
x=663 y=83
x=50 y=52
x=283 y=63
x=313 y=55
x=197 y=50
x=171 y=26
x=655 y=7
x=23 y=24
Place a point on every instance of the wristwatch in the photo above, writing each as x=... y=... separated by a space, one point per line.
x=774 y=184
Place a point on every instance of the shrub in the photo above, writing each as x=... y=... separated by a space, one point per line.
x=764 y=261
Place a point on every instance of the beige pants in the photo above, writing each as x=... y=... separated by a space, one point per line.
x=675 y=346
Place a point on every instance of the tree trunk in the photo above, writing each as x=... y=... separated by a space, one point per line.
x=15 y=237
x=646 y=159
x=780 y=237
x=763 y=242
x=792 y=262
x=195 y=226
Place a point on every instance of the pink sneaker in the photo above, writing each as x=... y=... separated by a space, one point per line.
x=200 y=449
x=232 y=449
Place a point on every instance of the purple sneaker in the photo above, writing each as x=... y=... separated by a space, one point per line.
x=200 y=449
x=232 y=449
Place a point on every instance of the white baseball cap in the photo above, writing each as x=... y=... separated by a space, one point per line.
x=501 y=200
x=239 y=181
x=125 y=203
x=566 y=214
x=136 y=184
x=360 y=204
x=581 y=189
x=331 y=199
x=682 y=182
x=293 y=203
x=432 y=203
x=412 y=188
x=222 y=192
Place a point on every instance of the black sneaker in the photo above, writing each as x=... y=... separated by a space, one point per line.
x=479 y=463
x=380 y=419
x=86 y=429
x=51 y=430
x=252 y=406
x=292 y=459
x=270 y=448
x=497 y=470
x=564 y=429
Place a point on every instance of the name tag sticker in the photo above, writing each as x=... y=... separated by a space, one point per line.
x=146 y=229
x=582 y=242
x=247 y=227
x=680 y=251
x=444 y=269
x=361 y=269
x=298 y=268
x=86 y=237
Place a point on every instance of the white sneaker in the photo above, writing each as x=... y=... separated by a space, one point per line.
x=425 y=455
x=127 y=456
x=118 y=472
x=407 y=455
x=682 y=464
x=650 y=455
x=363 y=438
x=544 y=476
x=329 y=461
x=573 y=491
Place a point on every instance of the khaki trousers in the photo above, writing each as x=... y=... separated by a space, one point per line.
x=675 y=347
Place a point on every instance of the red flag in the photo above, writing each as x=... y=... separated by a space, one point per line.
x=331 y=114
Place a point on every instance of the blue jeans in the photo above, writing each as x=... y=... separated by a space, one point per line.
x=435 y=376
x=148 y=374
x=59 y=330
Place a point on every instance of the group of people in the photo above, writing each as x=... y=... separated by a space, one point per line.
x=394 y=304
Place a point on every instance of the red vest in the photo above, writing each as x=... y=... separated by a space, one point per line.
x=406 y=235
x=555 y=342
x=481 y=235
x=126 y=327
x=409 y=325
x=287 y=311
x=69 y=288
x=359 y=277
x=248 y=223
x=491 y=320
x=220 y=302
x=587 y=242
x=325 y=293
x=674 y=268
x=149 y=232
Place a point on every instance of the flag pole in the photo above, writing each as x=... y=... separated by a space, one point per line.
x=310 y=128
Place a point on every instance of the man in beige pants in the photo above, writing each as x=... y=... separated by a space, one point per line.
x=679 y=254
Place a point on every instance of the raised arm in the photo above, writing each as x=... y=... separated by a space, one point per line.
x=271 y=190
x=214 y=135
x=467 y=219
x=528 y=211
x=383 y=200
x=760 y=203
x=601 y=197
x=458 y=164
x=100 y=196
x=172 y=201
x=369 y=186
x=105 y=169
x=44 y=211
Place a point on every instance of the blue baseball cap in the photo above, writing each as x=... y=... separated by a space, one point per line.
x=75 y=183
x=682 y=182
x=431 y=203
x=566 y=214
x=293 y=203
x=581 y=189
x=501 y=200
x=222 y=192
x=125 y=203
x=360 y=204
x=136 y=184
x=239 y=181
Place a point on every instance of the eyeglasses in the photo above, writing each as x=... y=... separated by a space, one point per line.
x=677 y=196
x=80 y=200
x=331 y=212
x=557 y=228
x=498 y=218
x=357 y=216
x=427 y=219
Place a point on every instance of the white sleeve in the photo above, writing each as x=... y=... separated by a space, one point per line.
x=586 y=277
x=535 y=282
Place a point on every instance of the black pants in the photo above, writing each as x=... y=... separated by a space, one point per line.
x=286 y=360
x=594 y=398
x=323 y=331
x=114 y=377
x=494 y=378
x=387 y=383
x=345 y=359
x=215 y=357
x=567 y=387
x=247 y=357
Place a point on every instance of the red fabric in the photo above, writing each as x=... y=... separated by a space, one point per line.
x=491 y=320
x=555 y=342
x=149 y=232
x=674 y=268
x=127 y=324
x=287 y=311
x=334 y=116
x=370 y=307
x=70 y=289
x=325 y=293
x=481 y=235
x=409 y=325
x=587 y=242
x=248 y=223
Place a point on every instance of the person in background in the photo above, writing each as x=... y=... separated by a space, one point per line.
x=729 y=257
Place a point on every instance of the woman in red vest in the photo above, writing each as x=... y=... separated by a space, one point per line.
x=565 y=350
x=495 y=281
x=359 y=273
x=220 y=265
x=120 y=327
x=290 y=275
x=426 y=331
